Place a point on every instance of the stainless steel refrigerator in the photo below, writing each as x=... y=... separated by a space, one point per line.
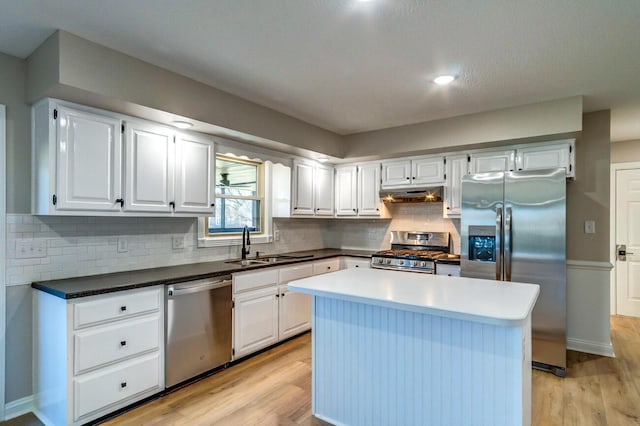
x=513 y=228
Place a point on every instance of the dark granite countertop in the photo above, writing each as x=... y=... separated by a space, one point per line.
x=71 y=288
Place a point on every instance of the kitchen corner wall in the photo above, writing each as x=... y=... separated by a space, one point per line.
x=78 y=246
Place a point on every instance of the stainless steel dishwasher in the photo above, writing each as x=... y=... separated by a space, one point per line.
x=198 y=327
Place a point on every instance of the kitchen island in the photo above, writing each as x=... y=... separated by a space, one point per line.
x=404 y=348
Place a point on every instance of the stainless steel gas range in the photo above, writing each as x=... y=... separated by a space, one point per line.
x=414 y=251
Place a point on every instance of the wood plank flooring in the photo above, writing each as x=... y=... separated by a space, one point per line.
x=274 y=388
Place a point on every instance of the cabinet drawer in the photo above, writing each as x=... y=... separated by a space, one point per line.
x=111 y=308
x=446 y=269
x=251 y=280
x=94 y=391
x=295 y=272
x=325 y=266
x=102 y=345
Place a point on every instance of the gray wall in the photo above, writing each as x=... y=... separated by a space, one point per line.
x=546 y=120
x=12 y=83
x=588 y=196
x=624 y=152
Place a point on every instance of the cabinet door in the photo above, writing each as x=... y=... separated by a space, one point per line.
x=494 y=161
x=325 y=266
x=346 y=191
x=456 y=167
x=369 y=190
x=89 y=149
x=546 y=157
x=149 y=168
x=302 y=189
x=323 y=190
x=255 y=320
x=194 y=184
x=294 y=314
x=427 y=171
x=396 y=173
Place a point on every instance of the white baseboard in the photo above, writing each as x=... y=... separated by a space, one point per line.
x=18 y=407
x=590 y=347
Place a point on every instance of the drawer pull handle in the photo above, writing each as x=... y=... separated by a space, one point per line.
x=123 y=385
x=123 y=308
x=123 y=343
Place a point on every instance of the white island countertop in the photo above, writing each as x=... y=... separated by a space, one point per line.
x=471 y=299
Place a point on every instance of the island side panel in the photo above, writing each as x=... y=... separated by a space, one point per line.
x=374 y=365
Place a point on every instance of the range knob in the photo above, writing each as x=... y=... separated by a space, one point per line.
x=401 y=262
x=414 y=263
x=423 y=264
x=379 y=260
x=387 y=261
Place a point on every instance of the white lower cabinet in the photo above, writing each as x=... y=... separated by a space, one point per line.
x=255 y=320
x=347 y=262
x=447 y=269
x=96 y=354
x=265 y=311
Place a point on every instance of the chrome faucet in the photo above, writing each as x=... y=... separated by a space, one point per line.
x=246 y=243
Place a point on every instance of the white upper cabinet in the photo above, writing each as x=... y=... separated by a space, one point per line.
x=92 y=162
x=346 y=191
x=323 y=190
x=358 y=190
x=547 y=156
x=396 y=173
x=149 y=159
x=311 y=189
x=194 y=188
x=369 y=189
x=302 y=189
x=493 y=161
x=421 y=171
x=456 y=166
x=77 y=159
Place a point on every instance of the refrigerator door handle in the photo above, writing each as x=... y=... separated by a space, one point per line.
x=498 y=247
x=507 y=244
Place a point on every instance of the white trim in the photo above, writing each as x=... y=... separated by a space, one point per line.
x=18 y=407
x=615 y=167
x=3 y=257
x=588 y=264
x=590 y=347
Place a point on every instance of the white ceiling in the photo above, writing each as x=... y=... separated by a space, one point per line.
x=350 y=66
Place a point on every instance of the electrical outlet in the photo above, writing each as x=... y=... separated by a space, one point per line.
x=276 y=235
x=589 y=226
x=178 y=243
x=30 y=249
x=123 y=245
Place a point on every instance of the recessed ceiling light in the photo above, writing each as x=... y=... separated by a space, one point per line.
x=364 y=1
x=323 y=159
x=181 y=124
x=443 y=80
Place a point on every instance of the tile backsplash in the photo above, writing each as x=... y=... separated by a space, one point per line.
x=77 y=246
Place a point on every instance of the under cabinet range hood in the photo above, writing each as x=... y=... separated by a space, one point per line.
x=412 y=195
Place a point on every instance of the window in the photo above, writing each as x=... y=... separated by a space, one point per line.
x=239 y=197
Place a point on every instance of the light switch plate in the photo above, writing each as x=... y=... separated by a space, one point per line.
x=276 y=235
x=178 y=242
x=30 y=249
x=589 y=226
x=123 y=245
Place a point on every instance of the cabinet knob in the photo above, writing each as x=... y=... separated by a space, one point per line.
x=407 y=177
x=213 y=204
x=448 y=208
x=119 y=200
x=413 y=177
x=354 y=210
x=282 y=295
x=123 y=385
x=123 y=308
x=123 y=343
x=295 y=208
x=277 y=295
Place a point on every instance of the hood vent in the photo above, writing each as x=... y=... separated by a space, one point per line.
x=412 y=195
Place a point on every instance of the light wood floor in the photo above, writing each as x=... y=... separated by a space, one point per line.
x=274 y=388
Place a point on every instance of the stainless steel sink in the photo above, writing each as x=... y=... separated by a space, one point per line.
x=266 y=260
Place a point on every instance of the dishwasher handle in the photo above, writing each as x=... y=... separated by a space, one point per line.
x=190 y=287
